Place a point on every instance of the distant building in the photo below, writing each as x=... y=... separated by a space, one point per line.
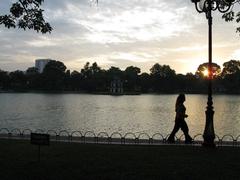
x=116 y=86
x=41 y=63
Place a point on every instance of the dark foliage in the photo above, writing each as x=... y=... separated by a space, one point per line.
x=94 y=79
x=26 y=14
x=203 y=68
x=54 y=76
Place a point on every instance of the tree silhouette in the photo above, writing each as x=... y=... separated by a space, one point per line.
x=162 y=70
x=131 y=78
x=93 y=77
x=231 y=67
x=202 y=70
x=32 y=71
x=145 y=82
x=162 y=77
x=231 y=76
x=4 y=80
x=54 y=75
x=33 y=77
x=114 y=72
x=26 y=14
x=18 y=80
x=76 y=79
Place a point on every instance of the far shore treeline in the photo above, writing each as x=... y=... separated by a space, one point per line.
x=93 y=79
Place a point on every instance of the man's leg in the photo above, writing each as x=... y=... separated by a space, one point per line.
x=174 y=131
x=184 y=128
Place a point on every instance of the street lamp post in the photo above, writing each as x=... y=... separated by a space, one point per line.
x=207 y=6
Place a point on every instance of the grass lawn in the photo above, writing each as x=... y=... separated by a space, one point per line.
x=18 y=160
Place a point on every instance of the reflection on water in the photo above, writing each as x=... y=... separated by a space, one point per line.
x=144 y=113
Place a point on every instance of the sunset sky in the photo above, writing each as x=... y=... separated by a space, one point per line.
x=120 y=33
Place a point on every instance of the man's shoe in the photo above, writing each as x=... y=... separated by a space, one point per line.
x=170 y=141
x=189 y=141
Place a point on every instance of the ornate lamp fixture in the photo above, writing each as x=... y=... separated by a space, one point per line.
x=222 y=6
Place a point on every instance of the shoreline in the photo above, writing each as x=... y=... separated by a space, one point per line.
x=105 y=93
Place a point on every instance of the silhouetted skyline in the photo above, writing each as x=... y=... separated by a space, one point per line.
x=93 y=78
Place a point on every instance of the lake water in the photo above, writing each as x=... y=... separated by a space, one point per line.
x=103 y=113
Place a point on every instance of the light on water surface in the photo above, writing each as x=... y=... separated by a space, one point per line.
x=101 y=113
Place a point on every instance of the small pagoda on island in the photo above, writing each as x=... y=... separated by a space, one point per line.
x=116 y=86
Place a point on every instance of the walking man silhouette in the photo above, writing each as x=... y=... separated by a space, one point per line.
x=180 y=120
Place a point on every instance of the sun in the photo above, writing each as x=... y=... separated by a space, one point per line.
x=205 y=72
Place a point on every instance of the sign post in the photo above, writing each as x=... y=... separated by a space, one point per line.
x=40 y=140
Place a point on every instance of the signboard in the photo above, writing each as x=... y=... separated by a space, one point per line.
x=40 y=139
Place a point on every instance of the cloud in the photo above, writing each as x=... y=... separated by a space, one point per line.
x=119 y=33
x=235 y=54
